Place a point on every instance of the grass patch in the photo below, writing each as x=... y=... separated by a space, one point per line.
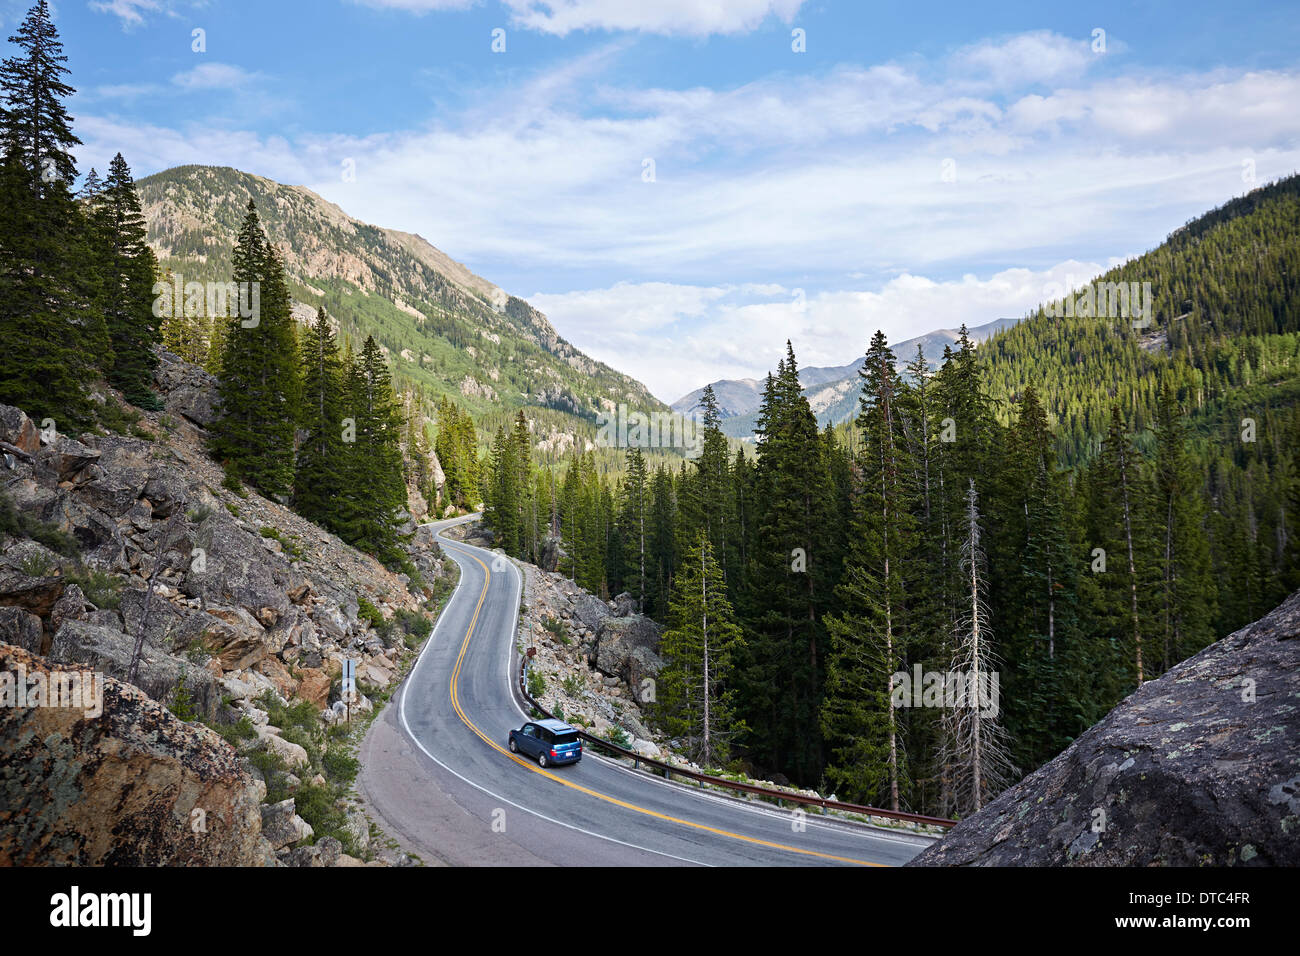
x=287 y=542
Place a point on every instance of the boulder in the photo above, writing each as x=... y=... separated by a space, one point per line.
x=65 y=458
x=169 y=625
x=20 y=628
x=132 y=787
x=18 y=430
x=291 y=753
x=589 y=610
x=274 y=671
x=315 y=687
x=189 y=391
x=71 y=606
x=235 y=636
x=109 y=651
x=624 y=604
x=552 y=552
x=282 y=826
x=626 y=648
x=238 y=570
x=1199 y=767
x=37 y=594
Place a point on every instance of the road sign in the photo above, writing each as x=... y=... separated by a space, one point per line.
x=349 y=679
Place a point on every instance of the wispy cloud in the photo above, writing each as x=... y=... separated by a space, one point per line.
x=215 y=76
x=676 y=337
x=681 y=17
x=879 y=171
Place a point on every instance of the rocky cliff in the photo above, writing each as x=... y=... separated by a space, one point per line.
x=1200 y=767
x=243 y=612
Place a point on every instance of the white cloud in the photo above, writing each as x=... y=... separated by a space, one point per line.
x=214 y=76
x=684 y=17
x=1028 y=58
x=785 y=181
x=130 y=12
x=674 y=338
x=124 y=91
x=418 y=6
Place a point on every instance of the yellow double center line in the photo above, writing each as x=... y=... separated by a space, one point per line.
x=528 y=764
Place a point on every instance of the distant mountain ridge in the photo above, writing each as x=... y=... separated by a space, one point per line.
x=832 y=391
x=444 y=328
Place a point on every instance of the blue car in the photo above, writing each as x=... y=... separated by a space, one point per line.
x=550 y=741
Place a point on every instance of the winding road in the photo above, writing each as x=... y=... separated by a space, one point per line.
x=436 y=771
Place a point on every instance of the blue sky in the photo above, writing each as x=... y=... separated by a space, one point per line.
x=913 y=168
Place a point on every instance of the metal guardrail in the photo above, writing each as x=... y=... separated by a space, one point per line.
x=755 y=789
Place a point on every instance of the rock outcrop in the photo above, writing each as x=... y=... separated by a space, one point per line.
x=131 y=786
x=1200 y=767
x=239 y=606
x=593 y=663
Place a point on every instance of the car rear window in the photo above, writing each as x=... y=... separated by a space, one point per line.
x=569 y=738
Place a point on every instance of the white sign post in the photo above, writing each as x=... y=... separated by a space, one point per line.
x=349 y=684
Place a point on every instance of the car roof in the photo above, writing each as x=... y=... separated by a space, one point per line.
x=550 y=723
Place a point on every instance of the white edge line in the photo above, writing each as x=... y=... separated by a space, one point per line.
x=496 y=796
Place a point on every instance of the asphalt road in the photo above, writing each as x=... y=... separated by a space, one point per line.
x=437 y=771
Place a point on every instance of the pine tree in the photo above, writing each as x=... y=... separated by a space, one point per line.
x=127 y=271
x=374 y=483
x=869 y=639
x=791 y=580
x=52 y=326
x=319 y=471
x=1185 y=588
x=36 y=126
x=694 y=693
x=636 y=502
x=259 y=384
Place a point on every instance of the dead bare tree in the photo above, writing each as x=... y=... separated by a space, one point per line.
x=976 y=758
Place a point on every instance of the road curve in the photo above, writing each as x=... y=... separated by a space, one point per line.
x=437 y=773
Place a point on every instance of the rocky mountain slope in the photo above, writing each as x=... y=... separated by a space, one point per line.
x=244 y=612
x=832 y=391
x=1200 y=767
x=442 y=326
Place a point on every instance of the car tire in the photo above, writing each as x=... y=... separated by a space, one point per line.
x=541 y=759
x=513 y=748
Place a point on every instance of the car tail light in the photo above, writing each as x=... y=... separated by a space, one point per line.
x=554 y=754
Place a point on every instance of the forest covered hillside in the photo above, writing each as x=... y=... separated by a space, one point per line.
x=445 y=330
x=1224 y=333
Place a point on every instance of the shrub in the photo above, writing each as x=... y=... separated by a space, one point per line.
x=101 y=589
x=21 y=525
x=339 y=765
x=536 y=683
x=368 y=612
x=231 y=482
x=556 y=628
x=237 y=732
x=617 y=735
x=182 y=704
x=200 y=514
x=317 y=805
x=36 y=565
